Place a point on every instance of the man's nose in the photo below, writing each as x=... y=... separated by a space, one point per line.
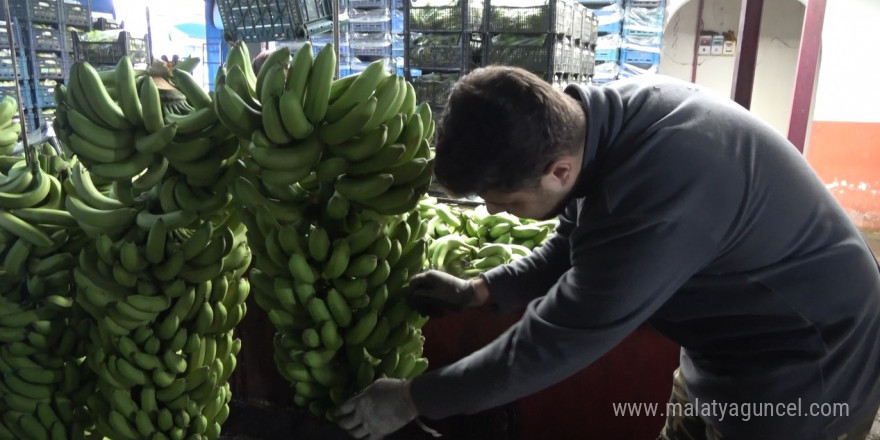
x=493 y=208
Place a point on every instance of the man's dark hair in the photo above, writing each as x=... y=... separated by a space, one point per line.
x=501 y=128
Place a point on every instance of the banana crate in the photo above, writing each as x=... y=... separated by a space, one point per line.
x=443 y=51
x=75 y=15
x=4 y=36
x=434 y=88
x=44 y=92
x=45 y=38
x=552 y=16
x=44 y=11
x=49 y=65
x=279 y=20
x=108 y=53
x=540 y=54
x=448 y=16
x=6 y=71
x=7 y=88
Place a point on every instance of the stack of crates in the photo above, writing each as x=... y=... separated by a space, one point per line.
x=7 y=72
x=545 y=37
x=106 y=54
x=609 y=16
x=47 y=27
x=278 y=20
x=642 y=37
x=318 y=42
x=372 y=26
x=445 y=41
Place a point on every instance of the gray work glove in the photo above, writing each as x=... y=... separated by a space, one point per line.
x=379 y=410
x=431 y=292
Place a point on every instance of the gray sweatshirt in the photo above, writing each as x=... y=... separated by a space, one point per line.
x=692 y=215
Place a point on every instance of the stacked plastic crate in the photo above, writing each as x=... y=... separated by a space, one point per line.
x=538 y=36
x=278 y=20
x=7 y=72
x=371 y=31
x=445 y=41
x=642 y=37
x=42 y=24
x=609 y=16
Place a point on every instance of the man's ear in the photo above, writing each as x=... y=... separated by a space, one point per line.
x=560 y=173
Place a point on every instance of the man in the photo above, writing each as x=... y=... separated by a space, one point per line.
x=677 y=208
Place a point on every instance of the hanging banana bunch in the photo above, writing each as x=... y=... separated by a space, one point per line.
x=43 y=384
x=334 y=171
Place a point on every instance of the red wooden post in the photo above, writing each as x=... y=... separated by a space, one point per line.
x=807 y=69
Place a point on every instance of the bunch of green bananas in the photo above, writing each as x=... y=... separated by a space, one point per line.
x=9 y=130
x=333 y=169
x=363 y=133
x=334 y=294
x=43 y=385
x=116 y=139
x=466 y=242
x=163 y=301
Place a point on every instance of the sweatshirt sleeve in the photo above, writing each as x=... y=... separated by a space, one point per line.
x=513 y=285
x=620 y=274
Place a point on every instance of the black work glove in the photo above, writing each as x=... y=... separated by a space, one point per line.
x=431 y=292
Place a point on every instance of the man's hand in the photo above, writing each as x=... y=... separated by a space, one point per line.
x=431 y=292
x=380 y=409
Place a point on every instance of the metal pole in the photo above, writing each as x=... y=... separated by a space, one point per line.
x=697 y=41
x=29 y=159
x=336 y=34
x=149 y=39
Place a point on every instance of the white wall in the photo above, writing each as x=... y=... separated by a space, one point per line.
x=849 y=76
x=777 y=52
x=781 y=27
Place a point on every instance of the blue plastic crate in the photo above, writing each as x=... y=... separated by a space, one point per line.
x=370 y=26
x=595 y=4
x=645 y=3
x=610 y=28
x=607 y=54
x=45 y=97
x=638 y=57
x=641 y=37
x=363 y=4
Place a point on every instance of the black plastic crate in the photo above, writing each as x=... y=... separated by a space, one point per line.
x=275 y=20
x=554 y=16
x=68 y=39
x=536 y=54
x=45 y=11
x=45 y=38
x=434 y=89
x=105 y=24
x=44 y=92
x=435 y=56
x=466 y=16
x=75 y=15
x=109 y=52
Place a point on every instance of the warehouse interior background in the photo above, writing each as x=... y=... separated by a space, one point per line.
x=837 y=117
